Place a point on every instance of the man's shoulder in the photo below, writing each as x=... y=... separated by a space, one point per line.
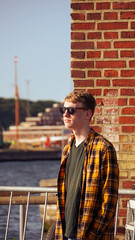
x=100 y=140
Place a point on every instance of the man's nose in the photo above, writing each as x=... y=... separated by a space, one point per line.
x=66 y=113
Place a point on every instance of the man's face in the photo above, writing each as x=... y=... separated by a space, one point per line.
x=76 y=120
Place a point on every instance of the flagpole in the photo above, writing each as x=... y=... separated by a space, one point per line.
x=16 y=102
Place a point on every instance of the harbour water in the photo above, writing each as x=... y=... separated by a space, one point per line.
x=27 y=173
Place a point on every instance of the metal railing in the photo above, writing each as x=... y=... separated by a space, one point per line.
x=17 y=196
x=121 y=192
x=23 y=196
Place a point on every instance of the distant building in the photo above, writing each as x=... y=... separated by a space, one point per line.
x=36 y=130
x=51 y=116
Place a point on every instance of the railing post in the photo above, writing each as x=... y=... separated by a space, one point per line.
x=19 y=198
x=116 y=218
x=22 y=217
x=8 y=218
x=43 y=223
x=26 y=216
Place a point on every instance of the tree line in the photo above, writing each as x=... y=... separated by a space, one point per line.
x=31 y=108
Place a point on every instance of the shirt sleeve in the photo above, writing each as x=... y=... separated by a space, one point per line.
x=109 y=195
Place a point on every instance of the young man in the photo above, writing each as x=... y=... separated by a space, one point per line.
x=88 y=176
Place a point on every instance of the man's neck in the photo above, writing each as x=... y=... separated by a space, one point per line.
x=80 y=135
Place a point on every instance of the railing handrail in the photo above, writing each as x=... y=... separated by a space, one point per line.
x=38 y=190
x=49 y=190
x=28 y=189
x=126 y=191
x=23 y=190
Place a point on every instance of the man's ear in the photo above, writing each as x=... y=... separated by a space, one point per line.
x=88 y=114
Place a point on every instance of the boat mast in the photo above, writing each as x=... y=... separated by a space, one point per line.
x=16 y=101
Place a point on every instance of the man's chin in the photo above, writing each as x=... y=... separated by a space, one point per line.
x=68 y=125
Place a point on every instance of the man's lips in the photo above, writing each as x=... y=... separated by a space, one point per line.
x=67 y=120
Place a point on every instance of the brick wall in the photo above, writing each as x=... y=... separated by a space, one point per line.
x=103 y=62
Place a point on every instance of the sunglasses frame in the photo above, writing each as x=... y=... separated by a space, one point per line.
x=71 y=110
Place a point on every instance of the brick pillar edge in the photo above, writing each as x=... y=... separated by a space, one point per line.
x=103 y=63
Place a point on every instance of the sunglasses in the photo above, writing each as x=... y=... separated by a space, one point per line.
x=70 y=110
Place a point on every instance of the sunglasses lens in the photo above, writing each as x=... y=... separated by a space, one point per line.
x=62 y=110
x=71 y=110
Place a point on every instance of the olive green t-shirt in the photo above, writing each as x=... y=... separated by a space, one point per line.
x=73 y=184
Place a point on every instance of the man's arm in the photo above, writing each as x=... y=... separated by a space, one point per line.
x=109 y=195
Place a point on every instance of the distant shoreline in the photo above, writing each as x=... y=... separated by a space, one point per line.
x=30 y=155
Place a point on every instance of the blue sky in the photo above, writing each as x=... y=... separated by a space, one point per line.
x=38 y=32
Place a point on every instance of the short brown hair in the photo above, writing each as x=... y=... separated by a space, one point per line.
x=83 y=97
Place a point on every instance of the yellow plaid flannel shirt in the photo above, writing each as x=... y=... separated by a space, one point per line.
x=99 y=190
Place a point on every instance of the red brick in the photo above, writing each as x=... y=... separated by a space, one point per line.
x=111 y=129
x=132 y=101
x=124 y=44
x=110 y=73
x=103 y=120
x=103 y=82
x=77 y=74
x=92 y=120
x=94 y=73
x=110 y=101
x=132 y=25
x=127 y=15
x=127 y=54
x=82 y=6
x=110 y=64
x=110 y=16
x=93 y=16
x=111 y=111
x=123 y=82
x=78 y=55
x=120 y=232
x=110 y=35
x=128 y=129
x=127 y=184
x=98 y=111
x=94 y=35
x=82 y=45
x=77 y=16
x=122 y=213
x=93 y=54
x=132 y=63
x=99 y=102
x=110 y=54
x=112 y=25
x=115 y=120
x=128 y=34
x=95 y=92
x=127 y=73
x=125 y=196
x=110 y=92
x=122 y=101
x=126 y=120
x=124 y=5
x=124 y=222
x=83 y=26
x=127 y=92
x=97 y=129
x=83 y=83
x=77 y=36
x=103 y=45
x=103 y=5
x=124 y=203
x=128 y=110
x=82 y=64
